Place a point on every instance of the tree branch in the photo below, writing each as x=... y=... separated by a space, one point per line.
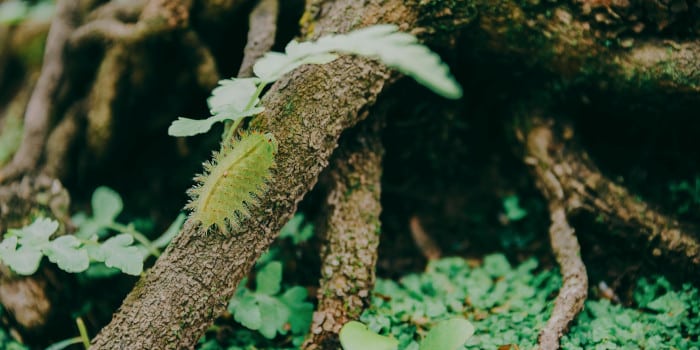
x=261 y=35
x=307 y=111
x=351 y=237
x=567 y=251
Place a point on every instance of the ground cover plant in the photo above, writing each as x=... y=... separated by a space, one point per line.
x=153 y=154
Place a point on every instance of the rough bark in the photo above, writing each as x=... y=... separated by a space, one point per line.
x=571 y=183
x=191 y=282
x=575 y=44
x=586 y=189
x=307 y=111
x=351 y=235
x=565 y=246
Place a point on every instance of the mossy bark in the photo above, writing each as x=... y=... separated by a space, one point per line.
x=350 y=236
x=191 y=282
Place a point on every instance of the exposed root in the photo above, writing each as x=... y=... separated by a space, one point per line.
x=424 y=242
x=572 y=46
x=571 y=183
x=61 y=140
x=574 y=289
x=261 y=36
x=615 y=205
x=563 y=240
x=351 y=237
x=40 y=107
x=101 y=30
x=26 y=298
x=586 y=189
x=125 y=11
x=102 y=96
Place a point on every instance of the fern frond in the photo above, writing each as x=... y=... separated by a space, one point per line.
x=385 y=43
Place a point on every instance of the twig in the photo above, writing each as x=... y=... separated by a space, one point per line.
x=565 y=246
x=424 y=242
x=261 y=35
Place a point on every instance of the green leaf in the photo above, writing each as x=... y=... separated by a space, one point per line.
x=37 y=234
x=64 y=343
x=274 y=316
x=106 y=205
x=189 y=127
x=355 y=336
x=171 y=232
x=274 y=65
x=229 y=101
x=384 y=43
x=301 y=310
x=245 y=311
x=448 y=335
x=512 y=208
x=67 y=253
x=232 y=96
x=269 y=279
x=294 y=230
x=119 y=253
x=496 y=265
x=99 y=270
x=23 y=260
x=13 y=11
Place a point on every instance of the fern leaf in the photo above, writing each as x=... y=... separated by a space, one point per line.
x=384 y=43
x=229 y=101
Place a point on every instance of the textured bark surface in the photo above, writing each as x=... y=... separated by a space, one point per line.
x=585 y=188
x=306 y=111
x=627 y=46
x=567 y=251
x=584 y=43
x=192 y=281
x=351 y=235
x=571 y=183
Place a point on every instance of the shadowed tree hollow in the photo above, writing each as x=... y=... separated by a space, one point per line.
x=587 y=105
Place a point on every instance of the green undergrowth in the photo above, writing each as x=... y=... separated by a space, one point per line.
x=508 y=305
x=6 y=340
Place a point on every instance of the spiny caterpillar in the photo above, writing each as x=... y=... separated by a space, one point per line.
x=235 y=178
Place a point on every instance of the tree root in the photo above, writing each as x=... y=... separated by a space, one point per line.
x=426 y=244
x=38 y=113
x=575 y=47
x=586 y=189
x=26 y=298
x=351 y=235
x=571 y=183
x=564 y=243
x=261 y=36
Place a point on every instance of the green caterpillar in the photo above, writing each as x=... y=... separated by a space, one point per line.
x=233 y=180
